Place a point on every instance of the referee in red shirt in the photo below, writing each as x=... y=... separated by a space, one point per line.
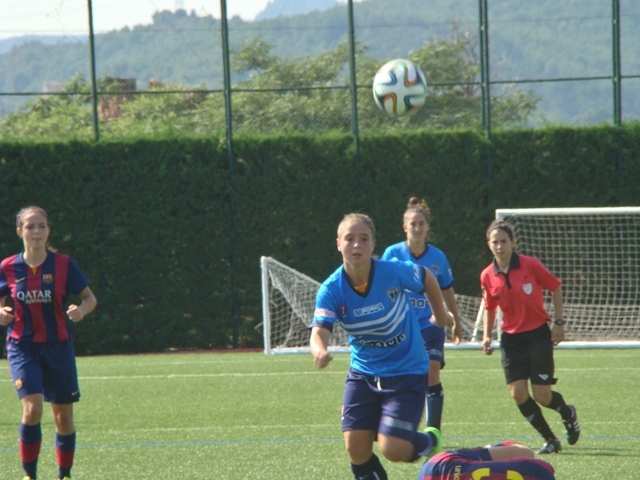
x=516 y=284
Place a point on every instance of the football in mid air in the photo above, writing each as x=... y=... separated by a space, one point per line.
x=399 y=87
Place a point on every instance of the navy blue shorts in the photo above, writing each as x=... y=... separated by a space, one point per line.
x=392 y=406
x=44 y=368
x=528 y=356
x=433 y=338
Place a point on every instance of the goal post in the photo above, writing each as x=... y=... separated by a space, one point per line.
x=288 y=302
x=596 y=254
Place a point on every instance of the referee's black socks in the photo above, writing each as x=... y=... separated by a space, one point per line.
x=531 y=411
x=558 y=404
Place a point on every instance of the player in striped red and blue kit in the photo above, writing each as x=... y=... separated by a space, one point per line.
x=384 y=393
x=416 y=222
x=39 y=349
x=503 y=461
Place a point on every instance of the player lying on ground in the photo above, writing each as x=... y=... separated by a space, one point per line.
x=502 y=461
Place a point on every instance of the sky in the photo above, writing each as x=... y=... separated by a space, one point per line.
x=70 y=17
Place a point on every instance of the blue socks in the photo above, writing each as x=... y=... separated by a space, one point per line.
x=435 y=404
x=65 y=450
x=30 y=440
x=423 y=444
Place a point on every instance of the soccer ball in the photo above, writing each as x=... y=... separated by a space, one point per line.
x=399 y=87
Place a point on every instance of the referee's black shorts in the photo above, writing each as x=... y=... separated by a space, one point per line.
x=528 y=356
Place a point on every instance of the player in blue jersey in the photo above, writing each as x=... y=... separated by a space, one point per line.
x=39 y=349
x=385 y=388
x=416 y=222
x=503 y=461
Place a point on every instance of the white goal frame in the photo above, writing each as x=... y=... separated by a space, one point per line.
x=618 y=236
x=294 y=294
x=288 y=302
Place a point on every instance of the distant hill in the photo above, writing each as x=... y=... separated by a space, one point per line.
x=545 y=40
x=288 y=8
x=6 y=44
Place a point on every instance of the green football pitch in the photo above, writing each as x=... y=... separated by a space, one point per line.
x=251 y=416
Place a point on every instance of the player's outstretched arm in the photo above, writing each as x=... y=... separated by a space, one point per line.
x=506 y=452
x=318 y=344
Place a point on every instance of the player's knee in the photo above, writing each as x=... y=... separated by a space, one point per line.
x=395 y=455
x=359 y=452
x=32 y=416
x=396 y=450
x=31 y=412
x=63 y=419
x=519 y=396
x=542 y=397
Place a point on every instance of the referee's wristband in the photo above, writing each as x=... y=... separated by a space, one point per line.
x=559 y=322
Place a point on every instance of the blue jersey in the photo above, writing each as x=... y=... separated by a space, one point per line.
x=384 y=334
x=435 y=260
x=39 y=295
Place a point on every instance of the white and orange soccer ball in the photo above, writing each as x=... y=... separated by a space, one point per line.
x=399 y=87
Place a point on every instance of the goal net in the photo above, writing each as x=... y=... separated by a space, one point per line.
x=595 y=252
x=288 y=302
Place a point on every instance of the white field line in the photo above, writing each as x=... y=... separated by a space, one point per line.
x=279 y=374
x=332 y=426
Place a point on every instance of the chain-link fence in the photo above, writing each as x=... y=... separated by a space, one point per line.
x=67 y=72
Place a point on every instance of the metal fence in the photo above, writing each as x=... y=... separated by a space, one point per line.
x=207 y=71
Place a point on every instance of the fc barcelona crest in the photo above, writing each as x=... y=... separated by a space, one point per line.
x=47 y=278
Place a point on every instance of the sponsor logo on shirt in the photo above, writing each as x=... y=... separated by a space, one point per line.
x=392 y=342
x=35 y=296
x=419 y=302
x=361 y=312
x=323 y=312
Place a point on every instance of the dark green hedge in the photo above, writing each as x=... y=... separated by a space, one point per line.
x=169 y=235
